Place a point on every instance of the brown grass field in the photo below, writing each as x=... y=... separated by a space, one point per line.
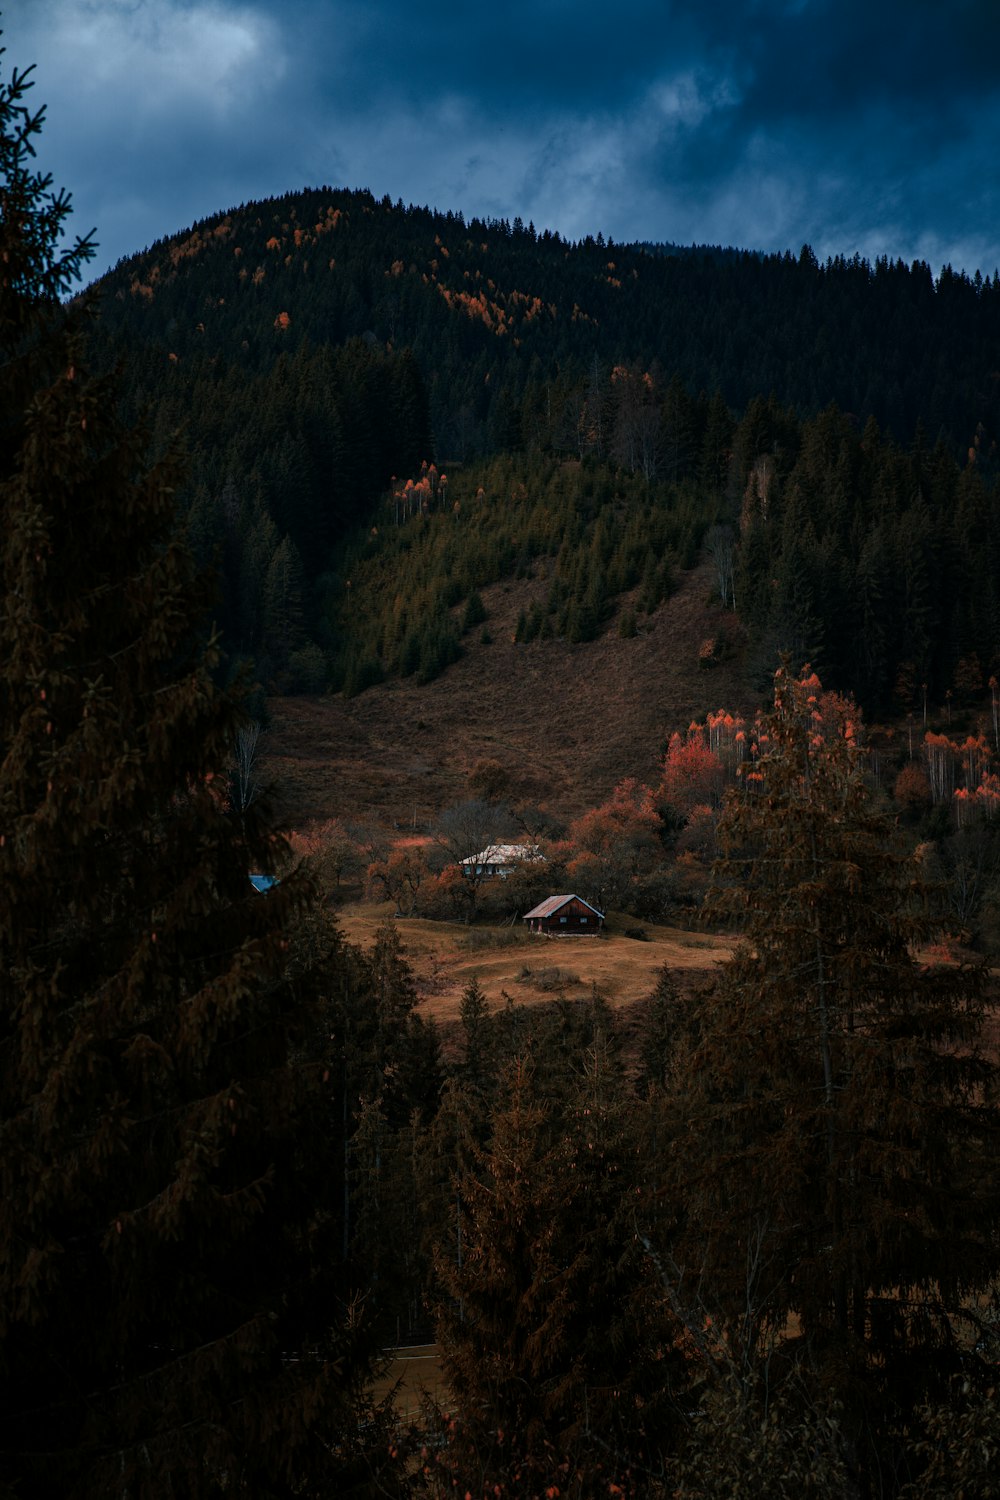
x=566 y=721
x=414 y=1372
x=445 y=956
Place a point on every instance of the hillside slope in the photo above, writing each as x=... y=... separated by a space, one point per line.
x=567 y=721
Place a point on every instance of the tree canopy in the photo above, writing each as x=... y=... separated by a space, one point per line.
x=175 y=1315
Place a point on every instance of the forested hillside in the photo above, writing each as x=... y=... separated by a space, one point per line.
x=829 y=431
x=506 y=323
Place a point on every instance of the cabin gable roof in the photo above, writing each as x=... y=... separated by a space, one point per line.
x=552 y=904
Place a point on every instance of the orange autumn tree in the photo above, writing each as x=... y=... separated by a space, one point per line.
x=963 y=775
x=616 y=843
x=331 y=851
x=399 y=877
x=693 y=775
x=912 y=790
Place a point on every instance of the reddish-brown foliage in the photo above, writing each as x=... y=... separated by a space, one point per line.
x=692 y=774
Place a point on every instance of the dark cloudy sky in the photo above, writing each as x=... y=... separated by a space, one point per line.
x=867 y=125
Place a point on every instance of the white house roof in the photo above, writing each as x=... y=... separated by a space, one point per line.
x=552 y=904
x=504 y=854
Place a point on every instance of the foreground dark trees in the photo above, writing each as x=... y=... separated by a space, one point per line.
x=838 y=1120
x=832 y=1112
x=175 y=1315
x=560 y=1347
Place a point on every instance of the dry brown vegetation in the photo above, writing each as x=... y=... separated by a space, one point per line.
x=567 y=721
x=445 y=956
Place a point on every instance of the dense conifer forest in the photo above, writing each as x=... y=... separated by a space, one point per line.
x=743 y=1239
x=837 y=422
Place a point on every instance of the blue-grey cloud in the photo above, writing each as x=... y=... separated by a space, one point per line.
x=762 y=123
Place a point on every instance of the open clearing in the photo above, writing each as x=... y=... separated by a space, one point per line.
x=445 y=956
x=566 y=721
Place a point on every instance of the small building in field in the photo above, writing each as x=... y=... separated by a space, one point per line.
x=565 y=916
x=497 y=861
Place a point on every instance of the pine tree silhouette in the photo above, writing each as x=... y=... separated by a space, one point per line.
x=169 y=1317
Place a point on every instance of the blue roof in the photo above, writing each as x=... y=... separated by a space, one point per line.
x=263 y=882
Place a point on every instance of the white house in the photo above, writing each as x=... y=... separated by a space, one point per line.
x=500 y=860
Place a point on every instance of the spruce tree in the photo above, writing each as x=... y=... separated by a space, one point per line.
x=502 y=1322
x=661 y=1023
x=837 y=1123
x=557 y=1341
x=170 y=1321
x=282 y=606
x=478 y=1065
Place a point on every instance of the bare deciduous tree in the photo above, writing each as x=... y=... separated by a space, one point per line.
x=469 y=829
x=245 y=782
x=720 y=546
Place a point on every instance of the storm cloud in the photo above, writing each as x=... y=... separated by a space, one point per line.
x=760 y=123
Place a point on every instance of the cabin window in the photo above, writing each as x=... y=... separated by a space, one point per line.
x=562 y=919
x=583 y=919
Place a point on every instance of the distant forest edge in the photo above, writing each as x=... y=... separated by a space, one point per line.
x=598 y=413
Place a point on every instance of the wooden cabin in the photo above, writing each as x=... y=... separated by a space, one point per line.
x=565 y=916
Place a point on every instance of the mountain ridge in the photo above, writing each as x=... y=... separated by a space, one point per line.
x=340 y=264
